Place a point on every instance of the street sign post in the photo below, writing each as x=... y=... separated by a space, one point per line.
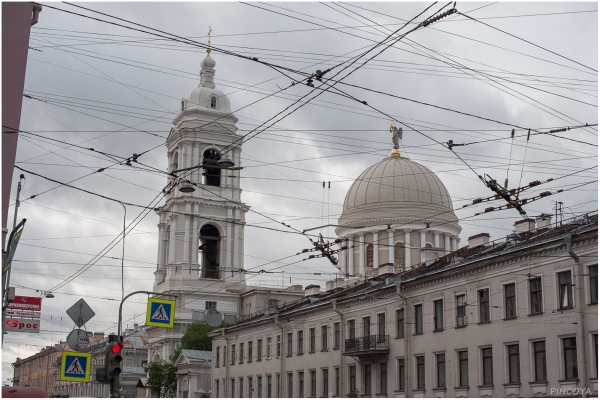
x=78 y=340
x=22 y=325
x=75 y=367
x=160 y=313
x=80 y=313
x=213 y=318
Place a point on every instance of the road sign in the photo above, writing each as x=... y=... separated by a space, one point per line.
x=26 y=303
x=160 y=313
x=80 y=313
x=78 y=340
x=213 y=318
x=75 y=366
x=22 y=325
x=19 y=313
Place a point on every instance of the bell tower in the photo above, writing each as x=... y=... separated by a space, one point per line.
x=201 y=229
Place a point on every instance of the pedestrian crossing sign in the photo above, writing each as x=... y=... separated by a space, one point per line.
x=75 y=366
x=160 y=313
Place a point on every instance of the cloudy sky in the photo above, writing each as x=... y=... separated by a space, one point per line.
x=117 y=90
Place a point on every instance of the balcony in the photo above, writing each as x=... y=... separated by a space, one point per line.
x=367 y=345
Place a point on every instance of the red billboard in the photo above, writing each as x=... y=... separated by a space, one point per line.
x=26 y=303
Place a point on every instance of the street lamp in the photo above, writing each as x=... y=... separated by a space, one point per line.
x=225 y=162
x=187 y=187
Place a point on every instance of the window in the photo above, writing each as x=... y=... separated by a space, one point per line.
x=367 y=379
x=290 y=385
x=535 y=295
x=259 y=387
x=272 y=304
x=488 y=372
x=217 y=387
x=268 y=348
x=419 y=319
x=514 y=374
x=510 y=301
x=211 y=176
x=241 y=360
x=241 y=389
x=325 y=374
x=218 y=355
x=210 y=305
x=278 y=377
x=381 y=325
x=539 y=361
x=289 y=344
x=301 y=384
x=269 y=386
x=213 y=102
x=336 y=335
x=352 y=329
x=366 y=326
x=438 y=315
x=399 y=255
x=382 y=378
x=593 y=284
x=352 y=378
x=324 y=338
x=233 y=387
x=461 y=310
x=278 y=346
x=595 y=340
x=463 y=368
x=250 y=351
x=259 y=350
x=250 y=387
x=209 y=251
x=420 y=372
x=313 y=383
x=570 y=356
x=336 y=391
x=440 y=360
x=312 y=340
x=401 y=374
x=300 y=342
x=484 y=306
x=565 y=290
x=400 y=323
x=232 y=354
x=369 y=260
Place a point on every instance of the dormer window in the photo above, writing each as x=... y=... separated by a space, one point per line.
x=213 y=102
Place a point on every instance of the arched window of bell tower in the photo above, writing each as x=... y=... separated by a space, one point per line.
x=213 y=102
x=175 y=162
x=209 y=252
x=211 y=176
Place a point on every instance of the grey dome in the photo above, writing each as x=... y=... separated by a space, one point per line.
x=397 y=189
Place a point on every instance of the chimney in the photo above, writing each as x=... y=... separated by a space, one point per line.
x=136 y=327
x=524 y=225
x=543 y=221
x=312 y=290
x=478 y=240
x=98 y=336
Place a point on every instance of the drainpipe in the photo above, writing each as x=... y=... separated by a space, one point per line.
x=580 y=317
x=281 y=356
x=407 y=369
x=342 y=344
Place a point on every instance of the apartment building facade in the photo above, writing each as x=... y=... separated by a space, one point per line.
x=515 y=317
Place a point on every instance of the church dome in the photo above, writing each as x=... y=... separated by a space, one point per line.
x=397 y=190
x=206 y=96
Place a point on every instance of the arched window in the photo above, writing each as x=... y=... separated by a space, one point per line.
x=213 y=102
x=399 y=255
x=209 y=251
x=369 y=255
x=175 y=162
x=211 y=176
x=429 y=245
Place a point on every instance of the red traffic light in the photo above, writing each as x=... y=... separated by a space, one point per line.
x=117 y=347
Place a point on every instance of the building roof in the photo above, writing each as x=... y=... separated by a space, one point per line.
x=460 y=258
x=197 y=355
x=133 y=370
x=399 y=188
x=136 y=340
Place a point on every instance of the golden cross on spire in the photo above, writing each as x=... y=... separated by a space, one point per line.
x=209 y=31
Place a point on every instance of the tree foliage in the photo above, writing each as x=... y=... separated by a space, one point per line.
x=162 y=378
x=195 y=337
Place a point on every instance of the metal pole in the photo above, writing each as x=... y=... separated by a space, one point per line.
x=129 y=295
x=6 y=283
x=123 y=254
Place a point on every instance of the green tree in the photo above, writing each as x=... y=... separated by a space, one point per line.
x=162 y=378
x=195 y=337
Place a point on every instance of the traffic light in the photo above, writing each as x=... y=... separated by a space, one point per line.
x=112 y=362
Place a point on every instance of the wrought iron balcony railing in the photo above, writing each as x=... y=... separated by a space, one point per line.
x=373 y=343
